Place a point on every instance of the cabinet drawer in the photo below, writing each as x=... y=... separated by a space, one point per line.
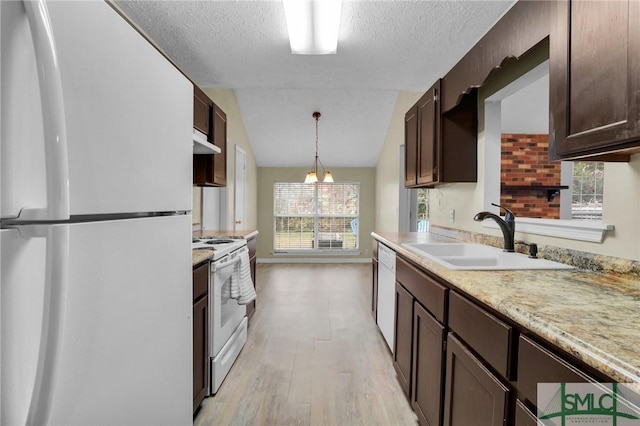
x=427 y=291
x=486 y=334
x=200 y=281
x=538 y=365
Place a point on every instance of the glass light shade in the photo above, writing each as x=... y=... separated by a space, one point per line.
x=328 y=177
x=313 y=25
x=312 y=177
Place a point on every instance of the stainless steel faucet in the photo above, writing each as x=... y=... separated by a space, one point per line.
x=507 y=225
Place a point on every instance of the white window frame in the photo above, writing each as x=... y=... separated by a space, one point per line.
x=316 y=217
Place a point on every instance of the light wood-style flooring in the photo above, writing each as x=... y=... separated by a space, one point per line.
x=314 y=355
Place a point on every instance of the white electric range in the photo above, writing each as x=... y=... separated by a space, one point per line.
x=227 y=319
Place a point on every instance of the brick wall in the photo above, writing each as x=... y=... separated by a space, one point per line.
x=525 y=162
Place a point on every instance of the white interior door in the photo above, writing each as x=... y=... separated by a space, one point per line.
x=240 y=188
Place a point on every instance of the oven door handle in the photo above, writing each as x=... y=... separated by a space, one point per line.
x=218 y=266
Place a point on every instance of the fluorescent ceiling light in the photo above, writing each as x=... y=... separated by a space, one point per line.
x=313 y=25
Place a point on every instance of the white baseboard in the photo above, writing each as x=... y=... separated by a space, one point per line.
x=313 y=260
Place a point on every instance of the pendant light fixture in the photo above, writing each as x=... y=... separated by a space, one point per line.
x=312 y=176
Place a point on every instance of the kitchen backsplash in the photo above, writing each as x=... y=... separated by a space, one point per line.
x=579 y=259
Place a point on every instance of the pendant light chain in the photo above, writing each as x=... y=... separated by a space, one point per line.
x=316 y=115
x=312 y=176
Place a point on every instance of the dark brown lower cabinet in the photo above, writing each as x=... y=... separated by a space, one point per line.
x=524 y=417
x=461 y=363
x=403 y=335
x=538 y=365
x=200 y=334
x=428 y=343
x=473 y=395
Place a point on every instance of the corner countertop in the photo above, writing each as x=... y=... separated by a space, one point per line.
x=199 y=256
x=591 y=315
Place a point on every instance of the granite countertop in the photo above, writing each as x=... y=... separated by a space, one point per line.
x=590 y=315
x=200 y=255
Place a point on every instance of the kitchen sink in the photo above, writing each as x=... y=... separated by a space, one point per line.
x=453 y=249
x=478 y=257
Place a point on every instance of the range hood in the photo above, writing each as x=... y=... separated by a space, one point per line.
x=202 y=146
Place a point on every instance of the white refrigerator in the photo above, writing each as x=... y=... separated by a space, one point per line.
x=95 y=201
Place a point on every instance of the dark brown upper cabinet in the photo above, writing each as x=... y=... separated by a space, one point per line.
x=594 y=75
x=428 y=135
x=524 y=26
x=202 y=109
x=220 y=140
x=440 y=148
x=422 y=127
x=210 y=119
x=411 y=147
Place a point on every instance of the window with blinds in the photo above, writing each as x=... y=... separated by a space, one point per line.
x=320 y=216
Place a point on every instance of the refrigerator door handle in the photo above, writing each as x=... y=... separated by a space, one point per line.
x=53 y=313
x=53 y=115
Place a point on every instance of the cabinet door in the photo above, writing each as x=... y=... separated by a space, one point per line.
x=428 y=136
x=594 y=77
x=473 y=395
x=200 y=350
x=411 y=147
x=202 y=107
x=428 y=343
x=220 y=140
x=403 y=336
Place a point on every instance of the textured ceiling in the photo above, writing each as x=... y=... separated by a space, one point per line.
x=384 y=47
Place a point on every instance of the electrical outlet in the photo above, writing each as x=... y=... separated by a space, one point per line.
x=366 y=251
x=452 y=216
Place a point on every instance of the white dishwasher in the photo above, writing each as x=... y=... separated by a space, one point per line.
x=386 y=292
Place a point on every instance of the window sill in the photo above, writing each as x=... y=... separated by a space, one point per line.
x=311 y=252
x=567 y=229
